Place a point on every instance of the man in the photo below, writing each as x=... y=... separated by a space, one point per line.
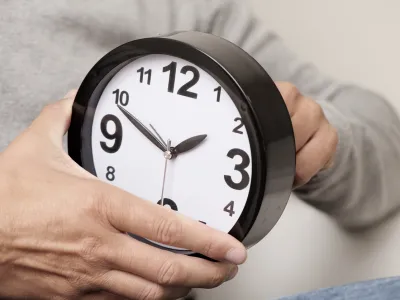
x=59 y=226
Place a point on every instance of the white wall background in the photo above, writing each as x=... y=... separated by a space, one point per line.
x=356 y=41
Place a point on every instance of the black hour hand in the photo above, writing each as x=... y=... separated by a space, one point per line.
x=146 y=132
x=188 y=144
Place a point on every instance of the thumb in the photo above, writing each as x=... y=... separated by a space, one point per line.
x=54 y=120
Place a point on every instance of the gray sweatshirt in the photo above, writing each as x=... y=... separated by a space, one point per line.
x=47 y=47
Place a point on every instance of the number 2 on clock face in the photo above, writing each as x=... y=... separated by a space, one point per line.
x=180 y=100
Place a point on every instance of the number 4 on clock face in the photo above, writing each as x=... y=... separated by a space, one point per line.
x=230 y=208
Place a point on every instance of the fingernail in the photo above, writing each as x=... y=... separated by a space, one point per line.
x=232 y=274
x=236 y=256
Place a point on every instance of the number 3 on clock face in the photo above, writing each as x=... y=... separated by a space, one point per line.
x=209 y=183
x=191 y=122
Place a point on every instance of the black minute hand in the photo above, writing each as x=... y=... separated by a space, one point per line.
x=188 y=144
x=146 y=132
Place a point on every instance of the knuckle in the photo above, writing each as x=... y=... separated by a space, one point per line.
x=217 y=279
x=168 y=273
x=98 y=201
x=71 y=94
x=67 y=291
x=315 y=110
x=103 y=279
x=332 y=141
x=151 y=292
x=90 y=249
x=48 y=107
x=208 y=248
x=51 y=107
x=303 y=175
x=78 y=277
x=289 y=91
x=77 y=284
x=334 y=137
x=71 y=294
x=168 y=231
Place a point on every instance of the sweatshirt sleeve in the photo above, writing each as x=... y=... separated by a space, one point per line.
x=361 y=188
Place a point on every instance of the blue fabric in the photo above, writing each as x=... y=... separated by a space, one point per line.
x=382 y=289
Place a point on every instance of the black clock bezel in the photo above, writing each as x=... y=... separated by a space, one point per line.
x=267 y=121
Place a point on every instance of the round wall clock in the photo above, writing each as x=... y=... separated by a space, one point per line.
x=192 y=122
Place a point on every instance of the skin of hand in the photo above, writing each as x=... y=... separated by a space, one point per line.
x=62 y=230
x=316 y=139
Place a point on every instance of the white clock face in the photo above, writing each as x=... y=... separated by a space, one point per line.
x=209 y=183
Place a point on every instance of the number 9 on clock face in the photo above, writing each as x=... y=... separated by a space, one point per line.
x=176 y=130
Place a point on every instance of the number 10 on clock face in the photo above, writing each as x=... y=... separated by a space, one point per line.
x=173 y=100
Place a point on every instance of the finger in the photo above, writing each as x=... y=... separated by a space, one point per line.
x=54 y=120
x=133 y=287
x=290 y=95
x=164 y=267
x=329 y=164
x=316 y=154
x=306 y=121
x=128 y=213
x=102 y=296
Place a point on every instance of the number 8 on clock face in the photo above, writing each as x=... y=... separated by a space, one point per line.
x=175 y=129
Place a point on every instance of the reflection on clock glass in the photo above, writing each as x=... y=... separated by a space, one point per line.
x=160 y=98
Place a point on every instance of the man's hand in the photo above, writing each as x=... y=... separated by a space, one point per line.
x=316 y=139
x=62 y=231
